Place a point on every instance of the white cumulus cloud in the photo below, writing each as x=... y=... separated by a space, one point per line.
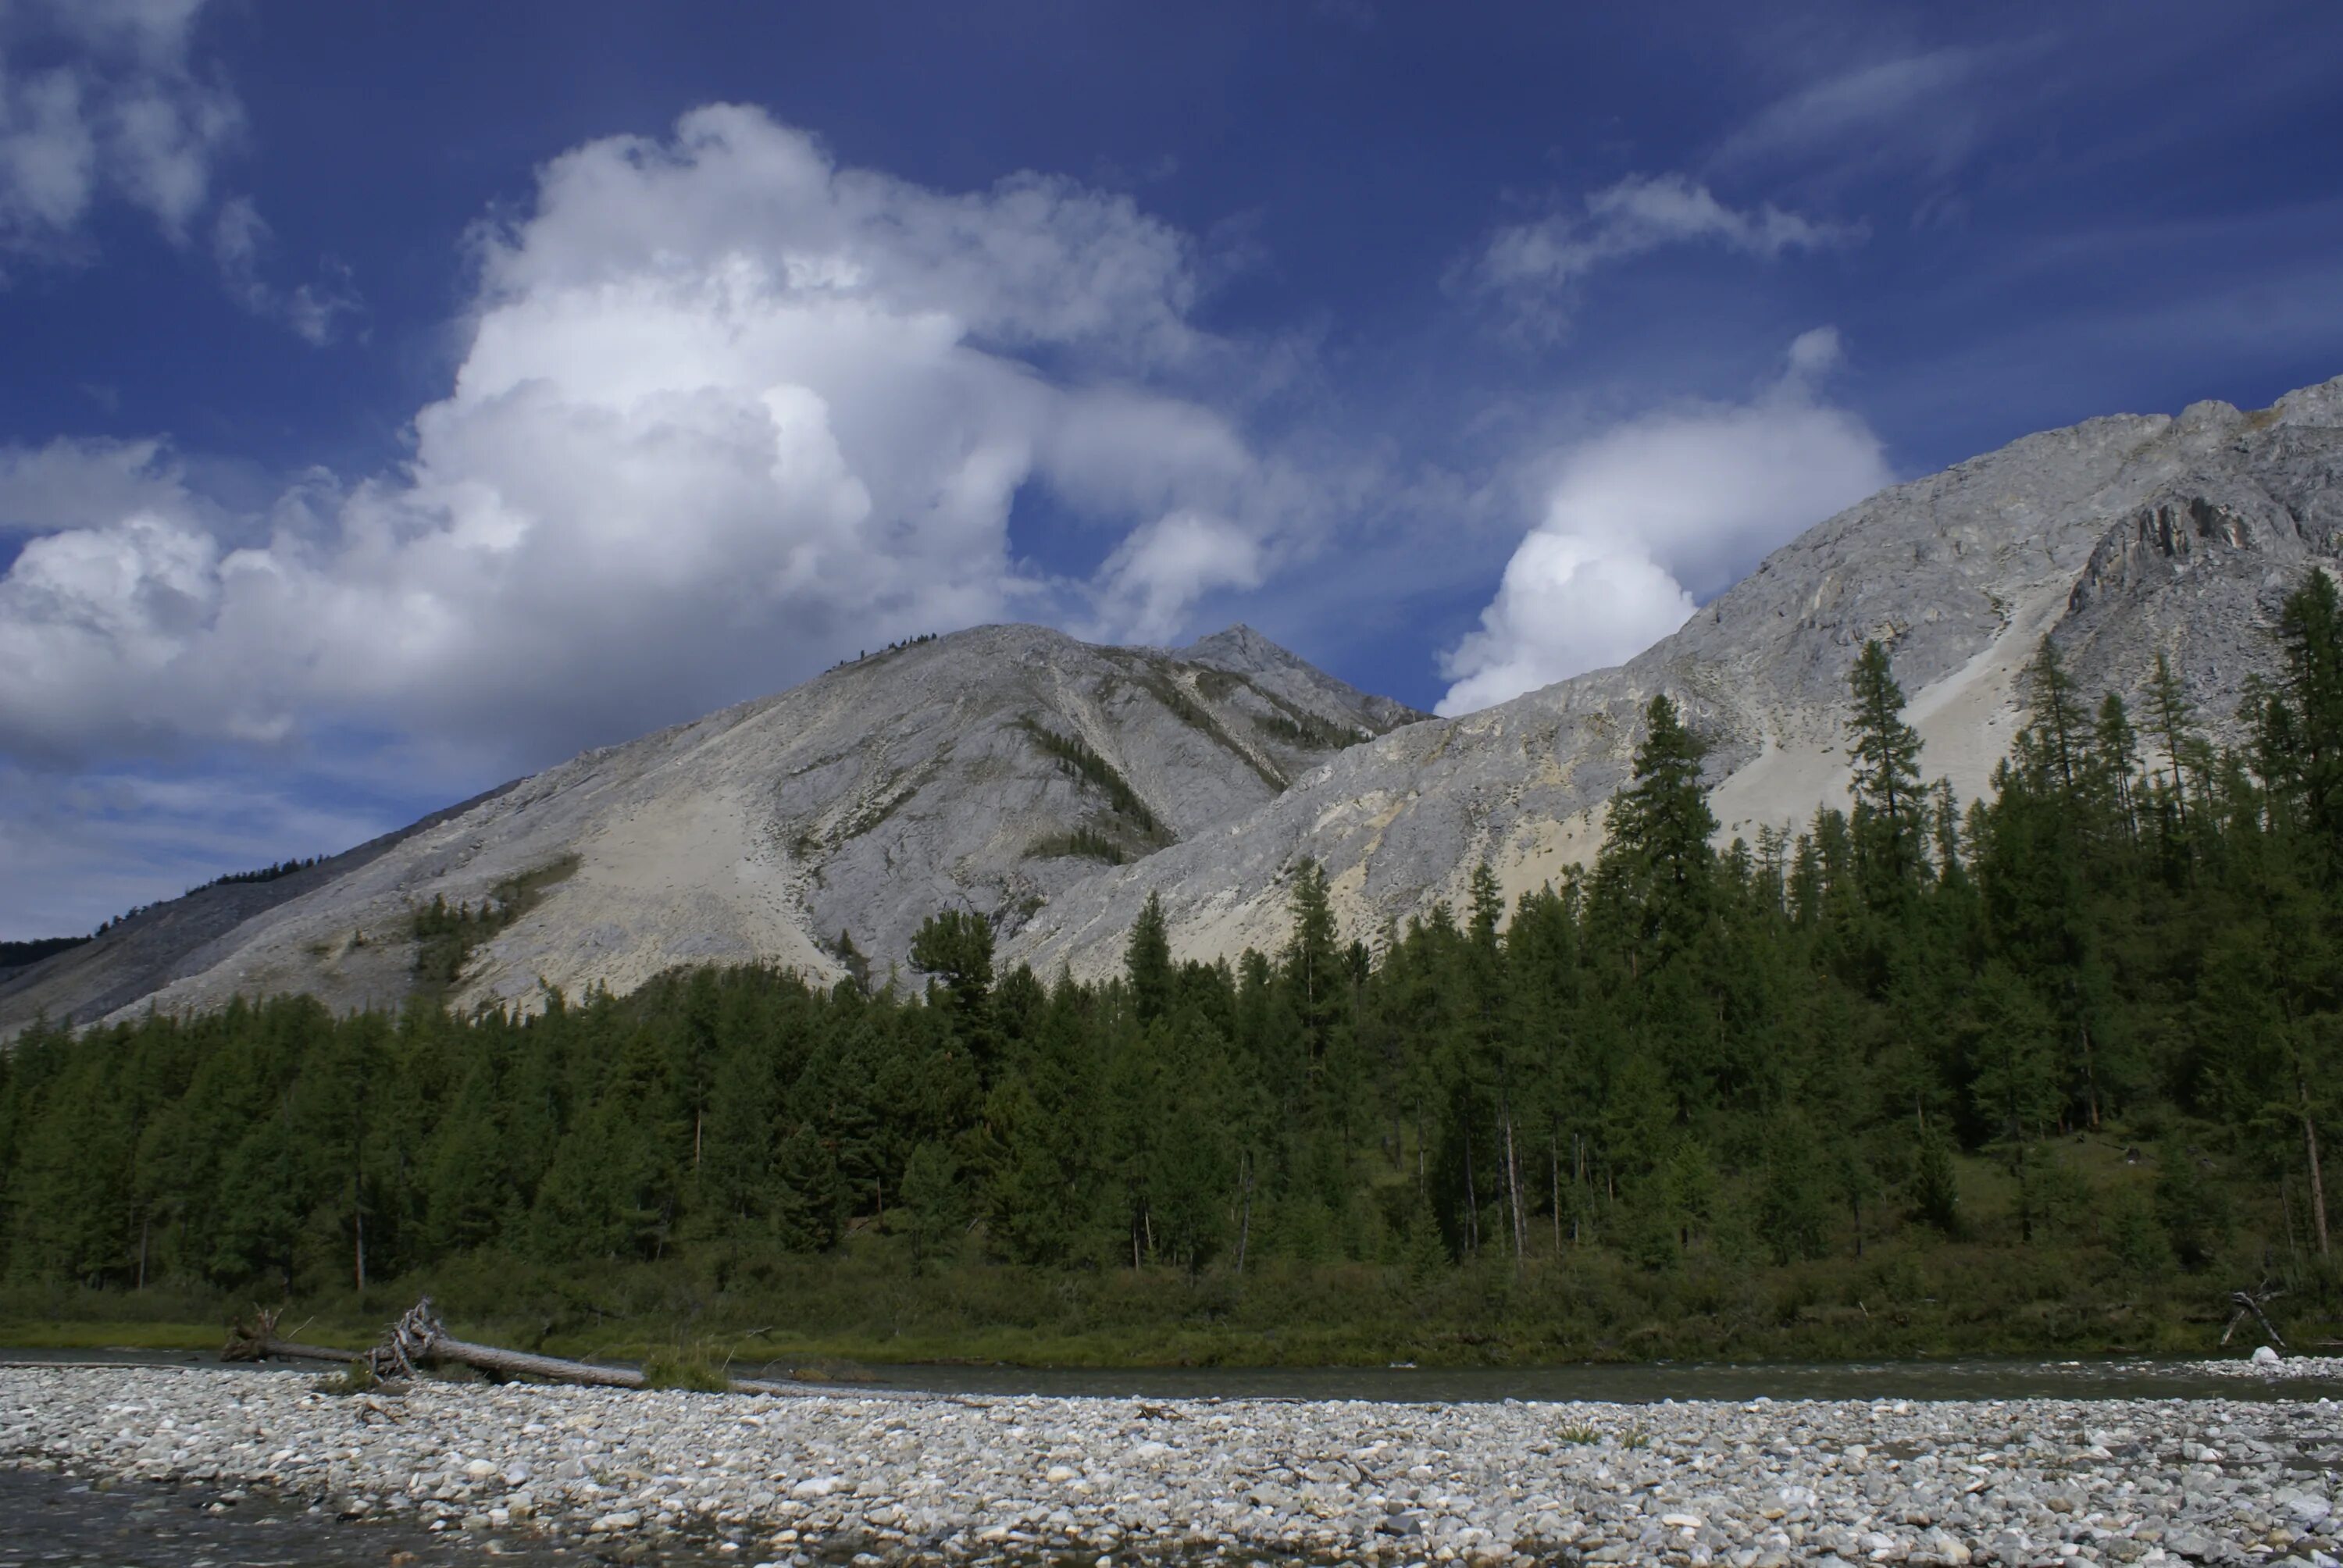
x=71 y=483
x=1155 y=573
x=1654 y=514
x=728 y=411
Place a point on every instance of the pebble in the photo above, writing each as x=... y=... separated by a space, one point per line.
x=894 y=1478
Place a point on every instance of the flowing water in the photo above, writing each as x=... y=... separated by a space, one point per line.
x=1632 y=1382
x=48 y=1521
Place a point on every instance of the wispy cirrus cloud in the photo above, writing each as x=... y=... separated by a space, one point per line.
x=1925 y=110
x=118 y=109
x=315 y=311
x=1535 y=269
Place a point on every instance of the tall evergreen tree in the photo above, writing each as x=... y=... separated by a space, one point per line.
x=2174 y=717
x=2055 y=716
x=1657 y=857
x=2302 y=724
x=1890 y=817
x=956 y=947
x=1313 y=961
x=1147 y=961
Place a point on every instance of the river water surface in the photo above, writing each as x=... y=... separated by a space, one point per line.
x=1632 y=1383
x=48 y=1521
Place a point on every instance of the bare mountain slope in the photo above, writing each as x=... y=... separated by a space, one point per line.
x=1004 y=768
x=992 y=769
x=2123 y=536
x=182 y=936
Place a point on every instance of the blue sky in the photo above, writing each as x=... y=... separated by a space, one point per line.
x=394 y=398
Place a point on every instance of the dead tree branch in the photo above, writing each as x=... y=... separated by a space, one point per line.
x=2250 y=1304
x=258 y=1342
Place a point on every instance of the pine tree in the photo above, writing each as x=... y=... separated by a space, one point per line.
x=1314 y=962
x=931 y=1200
x=1935 y=1185
x=956 y=947
x=810 y=1204
x=1793 y=1199
x=2114 y=761
x=1890 y=822
x=2302 y=726
x=2011 y=1033
x=1147 y=961
x=2174 y=719
x=2054 y=717
x=1656 y=854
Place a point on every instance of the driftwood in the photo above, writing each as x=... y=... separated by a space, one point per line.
x=259 y=1342
x=2248 y=1302
x=418 y=1340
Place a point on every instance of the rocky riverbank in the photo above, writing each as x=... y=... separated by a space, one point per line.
x=924 y=1478
x=2266 y=1366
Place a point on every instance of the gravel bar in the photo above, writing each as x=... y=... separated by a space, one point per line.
x=934 y=1479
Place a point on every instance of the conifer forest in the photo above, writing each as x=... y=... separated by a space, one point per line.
x=2060 y=1066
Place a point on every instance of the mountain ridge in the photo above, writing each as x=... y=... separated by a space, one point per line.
x=1942 y=569
x=1002 y=768
x=990 y=769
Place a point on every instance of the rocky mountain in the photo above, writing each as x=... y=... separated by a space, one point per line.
x=2119 y=537
x=1055 y=785
x=994 y=769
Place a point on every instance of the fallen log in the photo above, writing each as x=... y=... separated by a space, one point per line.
x=259 y=1342
x=419 y=1339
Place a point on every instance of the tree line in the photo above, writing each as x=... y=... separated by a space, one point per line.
x=2099 y=1009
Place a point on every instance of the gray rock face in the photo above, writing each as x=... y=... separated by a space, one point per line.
x=992 y=769
x=2123 y=536
x=975 y=770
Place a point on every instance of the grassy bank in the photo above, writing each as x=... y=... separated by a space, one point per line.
x=869 y=1304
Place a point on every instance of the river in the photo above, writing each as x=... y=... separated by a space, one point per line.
x=1627 y=1383
x=48 y=1521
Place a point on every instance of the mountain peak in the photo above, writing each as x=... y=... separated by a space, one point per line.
x=2123 y=537
x=1239 y=647
x=994 y=769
